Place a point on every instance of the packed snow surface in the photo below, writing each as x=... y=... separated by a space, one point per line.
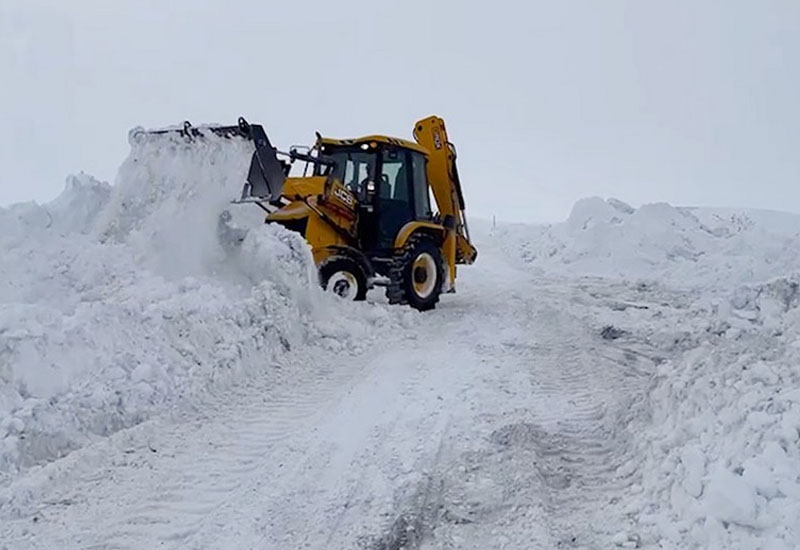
x=629 y=378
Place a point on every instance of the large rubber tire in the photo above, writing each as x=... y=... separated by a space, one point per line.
x=344 y=277
x=416 y=274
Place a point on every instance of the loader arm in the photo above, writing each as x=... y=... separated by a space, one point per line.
x=444 y=182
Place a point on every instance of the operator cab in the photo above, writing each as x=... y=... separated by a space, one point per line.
x=389 y=178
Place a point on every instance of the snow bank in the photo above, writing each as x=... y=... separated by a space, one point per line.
x=116 y=302
x=702 y=247
x=721 y=456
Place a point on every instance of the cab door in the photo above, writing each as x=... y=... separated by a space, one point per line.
x=394 y=201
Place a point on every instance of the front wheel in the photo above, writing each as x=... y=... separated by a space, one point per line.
x=416 y=275
x=343 y=277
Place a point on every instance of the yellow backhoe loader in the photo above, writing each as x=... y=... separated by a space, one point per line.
x=376 y=210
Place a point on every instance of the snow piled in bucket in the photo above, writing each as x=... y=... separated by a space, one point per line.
x=168 y=197
x=116 y=302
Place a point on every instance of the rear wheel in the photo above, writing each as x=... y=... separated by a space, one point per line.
x=416 y=274
x=344 y=277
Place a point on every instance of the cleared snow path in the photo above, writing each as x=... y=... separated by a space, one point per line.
x=502 y=419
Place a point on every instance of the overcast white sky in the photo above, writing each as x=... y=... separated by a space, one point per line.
x=690 y=102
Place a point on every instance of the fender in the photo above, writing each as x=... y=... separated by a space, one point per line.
x=358 y=256
x=412 y=227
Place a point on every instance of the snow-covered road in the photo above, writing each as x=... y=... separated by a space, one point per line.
x=501 y=420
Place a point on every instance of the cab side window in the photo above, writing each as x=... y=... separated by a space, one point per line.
x=422 y=203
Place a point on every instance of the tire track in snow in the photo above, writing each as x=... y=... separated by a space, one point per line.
x=584 y=448
x=154 y=498
x=561 y=452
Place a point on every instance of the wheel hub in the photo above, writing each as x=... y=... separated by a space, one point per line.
x=344 y=284
x=423 y=273
x=341 y=287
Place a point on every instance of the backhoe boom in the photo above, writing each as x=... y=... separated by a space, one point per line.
x=443 y=178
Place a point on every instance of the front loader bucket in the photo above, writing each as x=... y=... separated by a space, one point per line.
x=266 y=175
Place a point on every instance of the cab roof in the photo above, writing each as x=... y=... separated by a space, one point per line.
x=368 y=140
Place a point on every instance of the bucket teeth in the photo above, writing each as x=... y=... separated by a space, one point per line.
x=190 y=133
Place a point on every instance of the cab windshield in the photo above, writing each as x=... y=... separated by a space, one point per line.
x=353 y=167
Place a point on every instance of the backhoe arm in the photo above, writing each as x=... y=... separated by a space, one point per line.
x=446 y=186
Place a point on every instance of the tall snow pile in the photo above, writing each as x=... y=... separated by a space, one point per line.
x=119 y=301
x=702 y=247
